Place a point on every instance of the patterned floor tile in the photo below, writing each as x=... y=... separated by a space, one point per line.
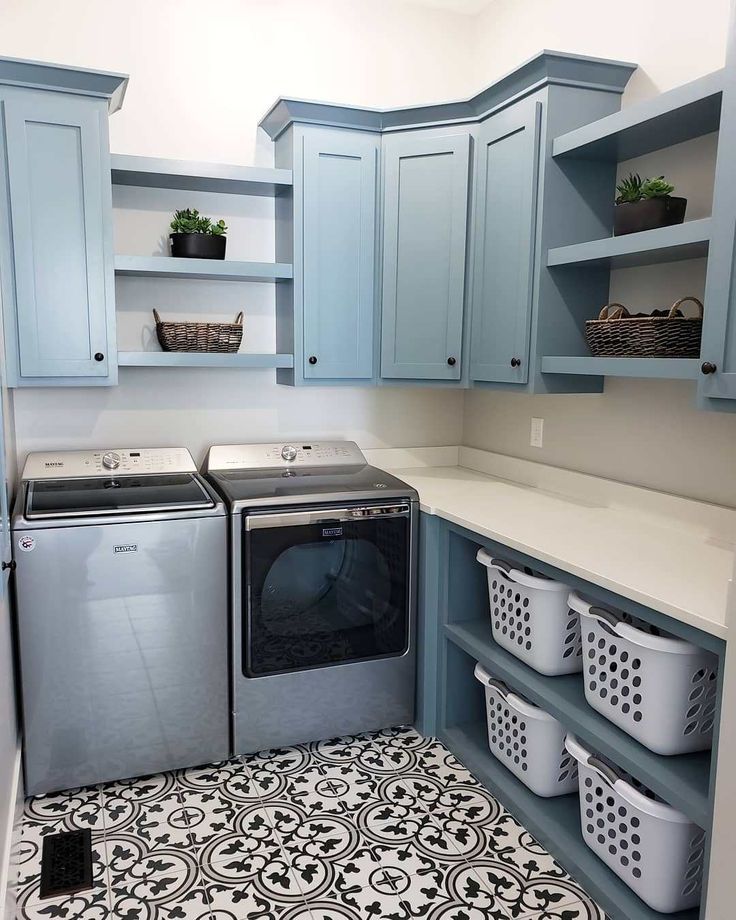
x=377 y=901
x=160 y=822
x=453 y=895
x=169 y=896
x=87 y=905
x=326 y=854
x=579 y=910
x=244 y=884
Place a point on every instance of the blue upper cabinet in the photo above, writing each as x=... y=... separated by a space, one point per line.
x=425 y=213
x=507 y=156
x=340 y=175
x=718 y=350
x=56 y=253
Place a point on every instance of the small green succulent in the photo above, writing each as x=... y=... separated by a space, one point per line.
x=190 y=221
x=656 y=188
x=629 y=189
x=634 y=188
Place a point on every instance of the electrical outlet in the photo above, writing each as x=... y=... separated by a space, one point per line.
x=536 y=438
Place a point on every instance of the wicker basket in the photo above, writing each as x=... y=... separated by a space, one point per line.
x=616 y=334
x=217 y=337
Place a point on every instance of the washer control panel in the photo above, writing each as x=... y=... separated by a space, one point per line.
x=76 y=464
x=278 y=456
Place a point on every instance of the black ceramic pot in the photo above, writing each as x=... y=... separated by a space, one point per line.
x=648 y=214
x=197 y=246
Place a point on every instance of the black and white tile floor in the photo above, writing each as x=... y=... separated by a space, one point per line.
x=387 y=826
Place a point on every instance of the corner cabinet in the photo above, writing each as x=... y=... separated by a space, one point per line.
x=425 y=214
x=330 y=324
x=56 y=254
x=507 y=158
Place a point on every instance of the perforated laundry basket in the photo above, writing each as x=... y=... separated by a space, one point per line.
x=530 y=617
x=527 y=740
x=653 y=847
x=659 y=689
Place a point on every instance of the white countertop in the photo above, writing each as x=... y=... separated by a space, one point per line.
x=668 y=553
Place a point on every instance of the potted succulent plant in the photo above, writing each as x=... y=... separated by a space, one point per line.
x=645 y=204
x=196 y=237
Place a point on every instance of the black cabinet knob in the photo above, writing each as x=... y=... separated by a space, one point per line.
x=312 y=359
x=10 y=565
x=516 y=362
x=707 y=367
x=451 y=362
x=99 y=356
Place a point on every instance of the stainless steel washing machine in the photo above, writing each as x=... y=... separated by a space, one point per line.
x=322 y=577
x=121 y=588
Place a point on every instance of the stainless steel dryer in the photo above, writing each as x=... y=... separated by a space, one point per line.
x=323 y=558
x=121 y=588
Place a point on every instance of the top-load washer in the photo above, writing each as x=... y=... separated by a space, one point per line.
x=121 y=589
x=322 y=577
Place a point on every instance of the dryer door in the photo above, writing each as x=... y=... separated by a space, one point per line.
x=325 y=587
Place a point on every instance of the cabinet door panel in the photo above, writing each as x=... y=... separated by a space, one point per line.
x=507 y=158
x=719 y=321
x=425 y=218
x=56 y=186
x=340 y=179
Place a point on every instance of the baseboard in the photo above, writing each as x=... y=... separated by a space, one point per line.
x=8 y=868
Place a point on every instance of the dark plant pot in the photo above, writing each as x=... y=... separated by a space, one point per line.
x=648 y=214
x=197 y=246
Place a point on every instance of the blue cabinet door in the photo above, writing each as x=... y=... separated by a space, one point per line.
x=59 y=236
x=505 y=205
x=718 y=348
x=424 y=232
x=340 y=175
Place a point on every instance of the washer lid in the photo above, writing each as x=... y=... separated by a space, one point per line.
x=59 y=498
x=330 y=483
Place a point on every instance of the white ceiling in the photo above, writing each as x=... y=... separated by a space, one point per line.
x=469 y=7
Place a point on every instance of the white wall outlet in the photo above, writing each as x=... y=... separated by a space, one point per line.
x=536 y=438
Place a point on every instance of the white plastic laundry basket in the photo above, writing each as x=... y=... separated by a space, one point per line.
x=530 y=618
x=653 y=847
x=527 y=740
x=659 y=689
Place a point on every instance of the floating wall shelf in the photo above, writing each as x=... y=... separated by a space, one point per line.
x=152 y=172
x=667 y=244
x=201 y=359
x=679 y=115
x=204 y=269
x=660 y=368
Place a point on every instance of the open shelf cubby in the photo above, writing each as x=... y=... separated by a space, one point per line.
x=685 y=781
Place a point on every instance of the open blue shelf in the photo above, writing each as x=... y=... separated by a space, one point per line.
x=152 y=172
x=667 y=244
x=588 y=365
x=203 y=269
x=679 y=115
x=201 y=359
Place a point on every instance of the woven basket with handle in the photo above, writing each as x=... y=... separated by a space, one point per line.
x=617 y=334
x=186 y=336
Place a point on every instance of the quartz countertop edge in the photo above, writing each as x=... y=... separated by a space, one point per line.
x=671 y=554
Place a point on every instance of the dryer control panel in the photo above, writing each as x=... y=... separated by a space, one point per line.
x=278 y=456
x=115 y=461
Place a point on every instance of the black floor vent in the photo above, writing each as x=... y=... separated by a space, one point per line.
x=66 y=863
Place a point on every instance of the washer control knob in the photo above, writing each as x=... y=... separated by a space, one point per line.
x=288 y=452
x=110 y=460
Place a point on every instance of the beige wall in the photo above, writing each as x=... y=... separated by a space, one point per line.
x=644 y=432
